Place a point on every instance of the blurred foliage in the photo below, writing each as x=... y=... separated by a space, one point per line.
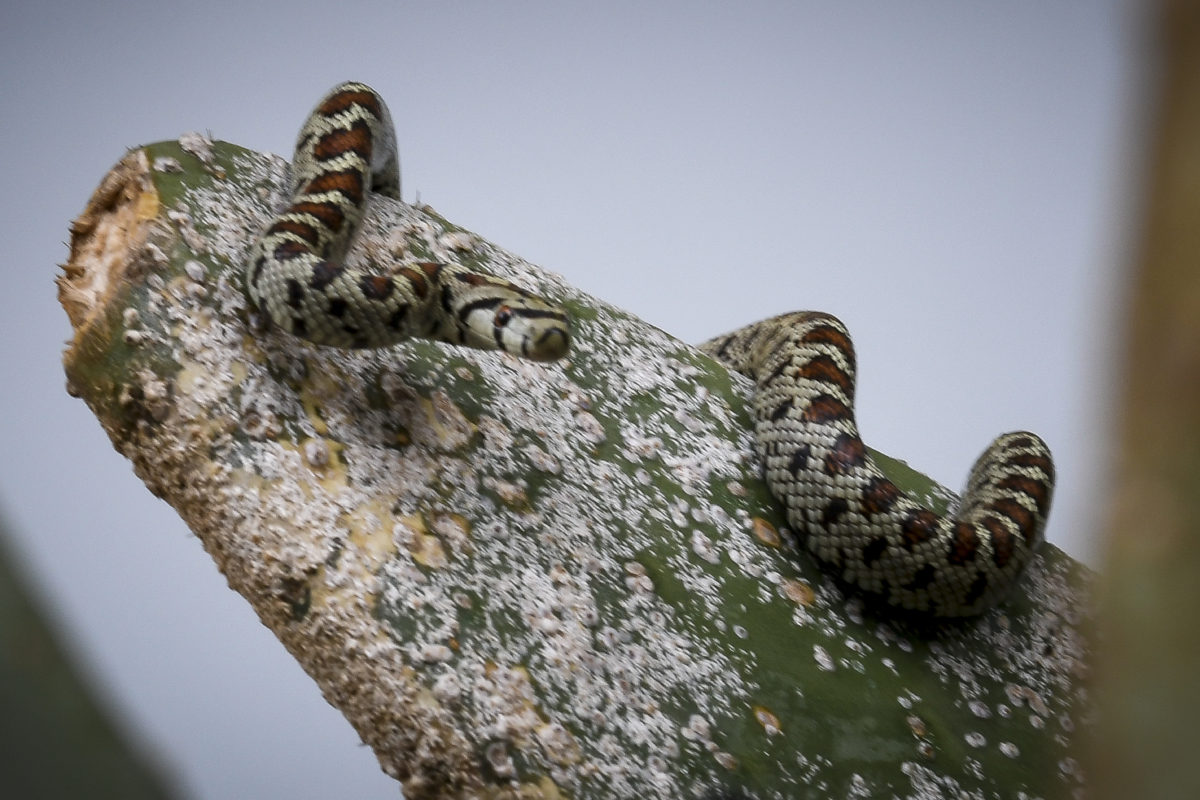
x=1150 y=668
x=56 y=739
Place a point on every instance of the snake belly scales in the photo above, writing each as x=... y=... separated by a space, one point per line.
x=848 y=513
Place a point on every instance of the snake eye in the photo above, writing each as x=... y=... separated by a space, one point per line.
x=503 y=316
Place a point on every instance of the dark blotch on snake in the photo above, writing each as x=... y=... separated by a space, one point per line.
x=798 y=466
x=879 y=496
x=918 y=526
x=376 y=287
x=348 y=183
x=416 y=279
x=978 y=587
x=964 y=545
x=295 y=293
x=328 y=214
x=876 y=548
x=337 y=307
x=1018 y=513
x=833 y=511
x=847 y=454
x=323 y=274
x=824 y=409
x=923 y=577
x=776 y=373
x=301 y=230
x=1002 y=541
x=289 y=249
x=340 y=101
x=823 y=369
x=258 y=268
x=336 y=143
x=1036 y=490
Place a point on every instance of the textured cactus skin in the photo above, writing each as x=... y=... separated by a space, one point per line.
x=515 y=579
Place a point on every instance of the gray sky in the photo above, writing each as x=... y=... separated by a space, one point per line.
x=953 y=179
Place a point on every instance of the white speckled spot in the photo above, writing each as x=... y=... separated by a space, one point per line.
x=316 y=453
x=822 y=657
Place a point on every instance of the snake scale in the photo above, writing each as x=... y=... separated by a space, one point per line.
x=849 y=514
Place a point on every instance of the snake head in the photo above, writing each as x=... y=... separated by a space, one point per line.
x=495 y=315
x=531 y=329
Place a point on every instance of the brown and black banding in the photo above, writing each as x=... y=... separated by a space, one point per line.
x=1034 y=489
x=301 y=230
x=823 y=369
x=376 y=287
x=847 y=454
x=964 y=545
x=289 y=249
x=1003 y=546
x=347 y=182
x=880 y=496
x=338 y=102
x=417 y=280
x=1019 y=514
x=919 y=526
x=475 y=279
x=339 y=141
x=824 y=409
x=328 y=214
x=324 y=273
x=1033 y=461
x=829 y=334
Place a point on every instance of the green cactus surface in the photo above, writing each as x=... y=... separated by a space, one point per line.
x=535 y=580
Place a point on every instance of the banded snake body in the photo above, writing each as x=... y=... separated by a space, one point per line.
x=850 y=516
x=297 y=278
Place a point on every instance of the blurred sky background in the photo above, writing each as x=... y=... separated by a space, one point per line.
x=953 y=178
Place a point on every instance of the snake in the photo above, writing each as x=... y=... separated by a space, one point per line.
x=848 y=513
x=345 y=152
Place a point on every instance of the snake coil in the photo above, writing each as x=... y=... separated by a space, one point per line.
x=296 y=276
x=849 y=514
